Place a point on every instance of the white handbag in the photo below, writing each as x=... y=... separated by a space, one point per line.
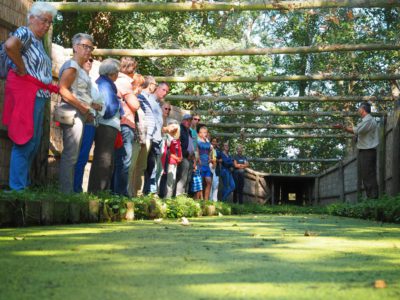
x=64 y=115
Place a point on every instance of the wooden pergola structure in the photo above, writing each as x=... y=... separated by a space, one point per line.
x=284 y=6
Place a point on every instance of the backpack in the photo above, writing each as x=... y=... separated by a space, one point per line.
x=4 y=58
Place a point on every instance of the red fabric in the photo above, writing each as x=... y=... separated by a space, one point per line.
x=19 y=103
x=175 y=148
x=118 y=141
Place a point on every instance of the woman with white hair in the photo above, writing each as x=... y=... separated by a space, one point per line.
x=28 y=87
x=109 y=125
x=75 y=91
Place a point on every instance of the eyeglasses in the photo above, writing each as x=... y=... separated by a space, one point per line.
x=196 y=119
x=168 y=109
x=44 y=20
x=87 y=47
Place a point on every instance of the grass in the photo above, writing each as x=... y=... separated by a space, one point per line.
x=234 y=257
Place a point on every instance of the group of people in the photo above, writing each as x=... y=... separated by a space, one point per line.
x=138 y=148
x=203 y=163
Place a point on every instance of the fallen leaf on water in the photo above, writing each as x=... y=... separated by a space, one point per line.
x=269 y=240
x=380 y=284
x=19 y=238
x=310 y=233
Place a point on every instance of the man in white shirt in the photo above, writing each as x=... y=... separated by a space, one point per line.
x=367 y=141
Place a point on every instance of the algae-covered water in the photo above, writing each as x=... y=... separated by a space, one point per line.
x=247 y=257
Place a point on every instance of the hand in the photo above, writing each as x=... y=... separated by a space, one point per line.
x=97 y=106
x=89 y=118
x=84 y=109
x=20 y=72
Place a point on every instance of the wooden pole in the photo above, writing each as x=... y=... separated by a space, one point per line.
x=279 y=78
x=194 y=6
x=282 y=136
x=272 y=191
x=341 y=182
x=381 y=158
x=280 y=99
x=271 y=126
x=280 y=113
x=236 y=52
x=295 y=160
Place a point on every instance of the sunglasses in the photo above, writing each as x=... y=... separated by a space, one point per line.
x=168 y=109
x=196 y=119
x=90 y=60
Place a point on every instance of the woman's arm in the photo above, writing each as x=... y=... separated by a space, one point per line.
x=66 y=81
x=236 y=164
x=13 y=48
x=132 y=102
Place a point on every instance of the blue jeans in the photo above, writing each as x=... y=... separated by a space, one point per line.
x=122 y=162
x=23 y=155
x=228 y=183
x=87 y=142
x=150 y=175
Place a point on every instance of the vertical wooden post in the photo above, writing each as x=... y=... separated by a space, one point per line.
x=316 y=191
x=359 y=181
x=382 y=157
x=395 y=144
x=341 y=182
x=40 y=163
x=272 y=192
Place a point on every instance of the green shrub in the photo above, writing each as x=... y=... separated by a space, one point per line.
x=385 y=209
x=182 y=206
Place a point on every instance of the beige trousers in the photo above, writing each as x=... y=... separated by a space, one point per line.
x=137 y=168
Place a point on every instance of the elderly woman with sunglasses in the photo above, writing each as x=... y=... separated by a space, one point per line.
x=88 y=131
x=75 y=90
x=27 y=89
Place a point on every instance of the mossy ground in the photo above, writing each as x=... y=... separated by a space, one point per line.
x=235 y=257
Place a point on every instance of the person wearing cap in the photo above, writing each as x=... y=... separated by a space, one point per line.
x=185 y=168
x=366 y=132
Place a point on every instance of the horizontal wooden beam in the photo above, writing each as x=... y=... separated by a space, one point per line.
x=270 y=126
x=280 y=113
x=236 y=52
x=194 y=6
x=279 y=99
x=295 y=160
x=279 y=78
x=282 y=136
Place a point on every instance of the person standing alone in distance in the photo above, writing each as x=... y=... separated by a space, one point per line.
x=366 y=132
